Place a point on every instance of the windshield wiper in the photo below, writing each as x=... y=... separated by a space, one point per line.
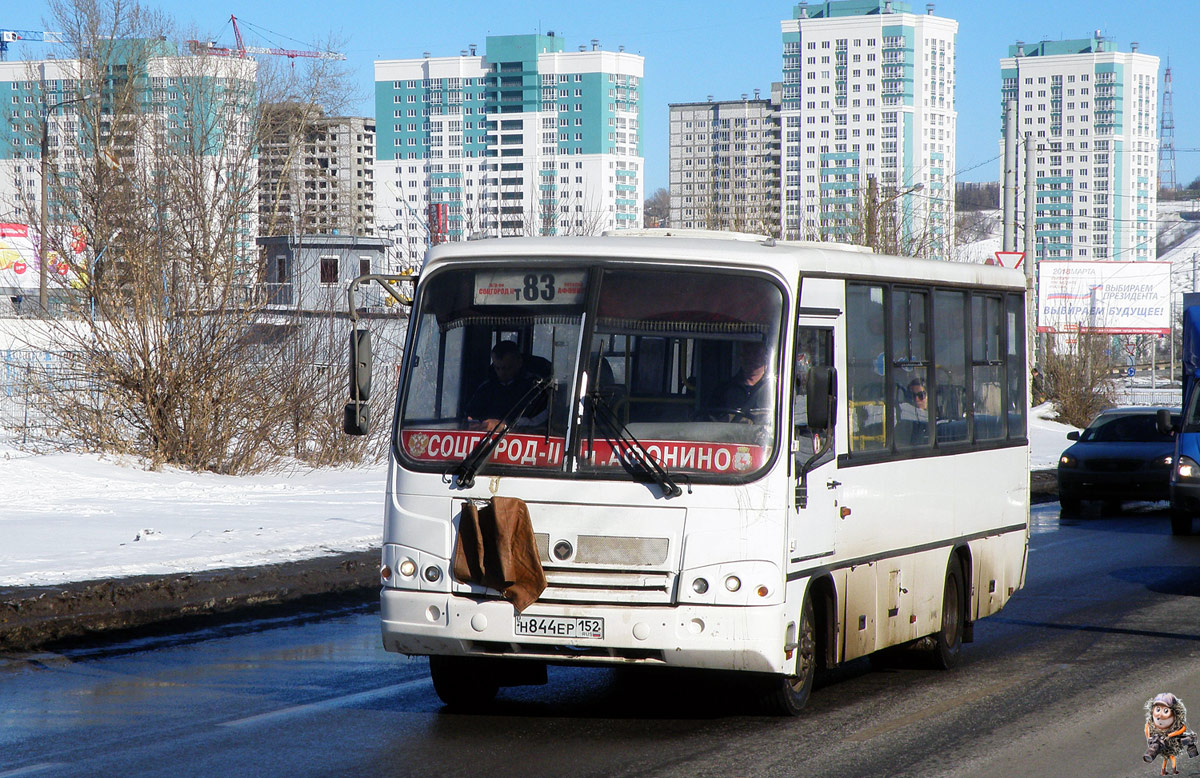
x=632 y=453
x=470 y=465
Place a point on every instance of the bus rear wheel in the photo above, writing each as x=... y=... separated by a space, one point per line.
x=947 y=642
x=787 y=694
x=463 y=683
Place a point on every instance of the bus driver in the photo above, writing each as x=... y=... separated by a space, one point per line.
x=501 y=391
x=745 y=397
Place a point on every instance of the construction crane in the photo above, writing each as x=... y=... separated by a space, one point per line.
x=242 y=50
x=10 y=36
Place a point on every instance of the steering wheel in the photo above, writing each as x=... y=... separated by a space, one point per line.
x=730 y=414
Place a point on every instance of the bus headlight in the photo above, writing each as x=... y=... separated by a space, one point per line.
x=412 y=569
x=748 y=582
x=1187 y=469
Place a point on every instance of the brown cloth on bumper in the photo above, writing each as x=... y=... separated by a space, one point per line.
x=495 y=548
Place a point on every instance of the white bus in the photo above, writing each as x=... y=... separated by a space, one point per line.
x=735 y=453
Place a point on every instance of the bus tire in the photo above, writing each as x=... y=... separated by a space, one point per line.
x=947 y=641
x=463 y=683
x=1181 y=522
x=787 y=694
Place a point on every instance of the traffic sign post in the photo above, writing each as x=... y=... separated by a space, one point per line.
x=1009 y=258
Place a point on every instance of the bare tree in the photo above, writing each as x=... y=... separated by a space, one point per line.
x=657 y=209
x=167 y=324
x=1078 y=377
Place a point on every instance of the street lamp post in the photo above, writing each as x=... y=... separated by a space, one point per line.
x=874 y=205
x=43 y=243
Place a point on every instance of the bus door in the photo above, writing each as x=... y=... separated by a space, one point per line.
x=814 y=510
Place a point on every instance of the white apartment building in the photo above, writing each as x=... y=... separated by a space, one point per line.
x=868 y=93
x=1092 y=112
x=725 y=164
x=177 y=93
x=527 y=139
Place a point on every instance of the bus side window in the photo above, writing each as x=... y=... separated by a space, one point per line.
x=814 y=348
x=865 y=367
x=950 y=365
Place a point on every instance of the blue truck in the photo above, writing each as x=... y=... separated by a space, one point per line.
x=1185 y=469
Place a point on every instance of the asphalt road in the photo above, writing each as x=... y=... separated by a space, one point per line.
x=1053 y=685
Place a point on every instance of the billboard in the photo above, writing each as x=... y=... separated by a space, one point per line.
x=19 y=260
x=1116 y=298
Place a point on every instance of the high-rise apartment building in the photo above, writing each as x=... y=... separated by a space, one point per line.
x=145 y=111
x=526 y=139
x=1092 y=113
x=316 y=173
x=868 y=93
x=725 y=164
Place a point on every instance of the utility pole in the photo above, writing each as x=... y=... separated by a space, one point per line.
x=1010 y=176
x=43 y=225
x=1091 y=329
x=43 y=241
x=1030 y=253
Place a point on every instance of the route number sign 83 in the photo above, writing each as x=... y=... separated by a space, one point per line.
x=529 y=287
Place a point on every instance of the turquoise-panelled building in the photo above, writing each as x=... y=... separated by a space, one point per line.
x=186 y=107
x=868 y=93
x=1091 y=112
x=523 y=138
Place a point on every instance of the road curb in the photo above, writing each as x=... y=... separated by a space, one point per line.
x=1043 y=486
x=34 y=616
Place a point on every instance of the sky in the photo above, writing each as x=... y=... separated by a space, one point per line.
x=697 y=48
x=108 y=518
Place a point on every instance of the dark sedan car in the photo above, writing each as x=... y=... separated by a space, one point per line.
x=1120 y=456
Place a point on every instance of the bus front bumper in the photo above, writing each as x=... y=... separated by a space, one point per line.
x=712 y=637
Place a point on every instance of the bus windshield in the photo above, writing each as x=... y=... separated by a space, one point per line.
x=681 y=366
x=685 y=364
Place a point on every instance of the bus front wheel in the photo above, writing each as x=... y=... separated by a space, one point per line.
x=463 y=683
x=947 y=643
x=787 y=694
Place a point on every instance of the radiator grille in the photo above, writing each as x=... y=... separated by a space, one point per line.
x=608 y=569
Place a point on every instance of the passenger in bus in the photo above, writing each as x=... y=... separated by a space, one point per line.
x=912 y=415
x=745 y=397
x=504 y=388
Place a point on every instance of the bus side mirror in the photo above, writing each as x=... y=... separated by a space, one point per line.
x=360 y=365
x=1166 y=425
x=822 y=397
x=356 y=420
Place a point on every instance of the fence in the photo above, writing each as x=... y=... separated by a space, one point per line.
x=32 y=379
x=1169 y=396
x=26 y=376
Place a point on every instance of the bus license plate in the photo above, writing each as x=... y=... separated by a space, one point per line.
x=560 y=627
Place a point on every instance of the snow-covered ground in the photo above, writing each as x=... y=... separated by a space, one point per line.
x=76 y=517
